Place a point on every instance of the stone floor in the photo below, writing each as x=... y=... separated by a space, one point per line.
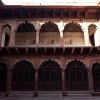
x=51 y=95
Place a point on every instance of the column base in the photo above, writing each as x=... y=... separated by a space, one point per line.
x=64 y=93
x=35 y=93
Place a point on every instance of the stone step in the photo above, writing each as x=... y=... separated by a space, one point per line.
x=22 y=94
x=50 y=95
x=79 y=94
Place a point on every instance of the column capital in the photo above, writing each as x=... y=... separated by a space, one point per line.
x=36 y=24
x=61 y=26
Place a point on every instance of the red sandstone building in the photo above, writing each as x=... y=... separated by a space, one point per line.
x=50 y=47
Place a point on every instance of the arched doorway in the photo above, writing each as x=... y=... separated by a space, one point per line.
x=50 y=76
x=96 y=76
x=49 y=34
x=3 y=77
x=25 y=34
x=23 y=76
x=76 y=76
x=73 y=34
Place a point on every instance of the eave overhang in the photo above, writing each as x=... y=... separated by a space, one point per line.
x=47 y=50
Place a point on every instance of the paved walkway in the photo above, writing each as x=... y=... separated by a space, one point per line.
x=51 y=95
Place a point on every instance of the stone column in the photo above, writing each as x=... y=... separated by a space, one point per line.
x=36 y=64
x=90 y=76
x=8 y=88
x=63 y=66
x=9 y=75
x=0 y=34
x=86 y=35
x=37 y=28
x=36 y=83
x=90 y=80
x=12 y=36
x=1 y=25
x=64 y=92
x=61 y=28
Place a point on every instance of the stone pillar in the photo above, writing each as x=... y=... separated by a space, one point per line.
x=12 y=36
x=36 y=83
x=86 y=35
x=36 y=64
x=90 y=80
x=61 y=28
x=63 y=66
x=9 y=75
x=8 y=88
x=37 y=28
x=1 y=25
x=0 y=34
x=64 y=92
x=90 y=76
x=37 y=37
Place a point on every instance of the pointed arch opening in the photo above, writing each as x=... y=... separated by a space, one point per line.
x=92 y=29
x=25 y=34
x=6 y=35
x=73 y=34
x=76 y=76
x=96 y=76
x=23 y=75
x=50 y=76
x=3 y=77
x=49 y=34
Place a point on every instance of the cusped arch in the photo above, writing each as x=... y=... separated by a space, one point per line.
x=26 y=27
x=76 y=76
x=75 y=64
x=23 y=76
x=23 y=64
x=72 y=27
x=49 y=64
x=6 y=25
x=50 y=76
x=49 y=27
x=96 y=76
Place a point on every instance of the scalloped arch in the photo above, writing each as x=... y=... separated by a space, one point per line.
x=49 y=27
x=72 y=27
x=26 y=27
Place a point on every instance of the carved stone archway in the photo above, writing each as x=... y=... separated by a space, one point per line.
x=23 y=75
x=96 y=76
x=50 y=76
x=76 y=76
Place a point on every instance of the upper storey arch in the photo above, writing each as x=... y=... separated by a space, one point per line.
x=91 y=30
x=49 y=27
x=25 y=34
x=49 y=34
x=73 y=34
x=6 y=33
x=72 y=27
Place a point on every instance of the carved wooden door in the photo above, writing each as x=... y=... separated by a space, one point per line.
x=50 y=76
x=76 y=76
x=23 y=76
x=96 y=76
x=3 y=77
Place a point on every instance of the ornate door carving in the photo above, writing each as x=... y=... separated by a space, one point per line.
x=50 y=76
x=96 y=76
x=23 y=76
x=76 y=76
x=3 y=77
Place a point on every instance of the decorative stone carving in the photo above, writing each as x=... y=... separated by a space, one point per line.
x=49 y=27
